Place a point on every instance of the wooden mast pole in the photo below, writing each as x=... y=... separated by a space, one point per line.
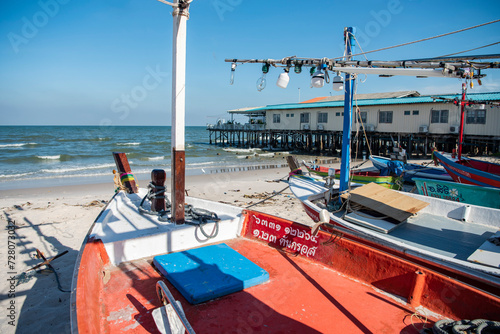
x=181 y=15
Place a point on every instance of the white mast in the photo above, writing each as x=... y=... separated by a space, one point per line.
x=181 y=15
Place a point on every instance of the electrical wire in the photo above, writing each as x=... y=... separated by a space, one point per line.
x=479 y=47
x=422 y=40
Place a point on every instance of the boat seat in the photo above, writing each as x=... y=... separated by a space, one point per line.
x=373 y=222
x=209 y=272
x=488 y=253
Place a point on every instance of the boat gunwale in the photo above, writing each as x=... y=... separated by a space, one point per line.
x=453 y=168
x=76 y=270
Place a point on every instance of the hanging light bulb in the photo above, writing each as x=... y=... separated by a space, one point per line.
x=233 y=69
x=318 y=79
x=338 y=82
x=261 y=82
x=283 y=79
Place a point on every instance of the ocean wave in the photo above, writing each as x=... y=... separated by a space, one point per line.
x=36 y=159
x=17 y=145
x=128 y=144
x=255 y=155
x=141 y=157
x=84 y=139
x=242 y=150
x=59 y=157
x=197 y=164
x=37 y=176
x=75 y=169
x=156 y=158
x=8 y=176
x=49 y=157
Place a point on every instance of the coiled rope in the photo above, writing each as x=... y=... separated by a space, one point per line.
x=194 y=216
x=447 y=326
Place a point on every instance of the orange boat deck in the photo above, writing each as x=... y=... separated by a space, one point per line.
x=318 y=284
x=300 y=297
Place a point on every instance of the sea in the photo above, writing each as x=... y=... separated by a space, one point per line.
x=41 y=156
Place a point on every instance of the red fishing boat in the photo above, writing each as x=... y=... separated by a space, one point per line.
x=463 y=169
x=470 y=171
x=151 y=266
x=243 y=271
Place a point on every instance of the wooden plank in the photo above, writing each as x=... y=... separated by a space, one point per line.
x=292 y=163
x=126 y=176
x=488 y=253
x=178 y=186
x=385 y=201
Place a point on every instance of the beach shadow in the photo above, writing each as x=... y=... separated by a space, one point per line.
x=45 y=308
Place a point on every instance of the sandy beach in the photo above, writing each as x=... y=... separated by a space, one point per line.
x=57 y=219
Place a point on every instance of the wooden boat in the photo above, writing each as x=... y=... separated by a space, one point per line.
x=467 y=170
x=310 y=283
x=361 y=177
x=209 y=267
x=470 y=171
x=458 y=192
x=448 y=234
x=413 y=170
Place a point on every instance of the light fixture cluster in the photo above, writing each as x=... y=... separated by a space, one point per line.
x=319 y=75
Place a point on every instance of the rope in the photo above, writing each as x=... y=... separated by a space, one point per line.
x=265 y=199
x=57 y=278
x=153 y=192
x=24 y=277
x=191 y=213
x=419 y=317
x=118 y=184
x=202 y=215
x=447 y=326
x=361 y=164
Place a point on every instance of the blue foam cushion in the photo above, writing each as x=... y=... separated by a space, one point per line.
x=209 y=272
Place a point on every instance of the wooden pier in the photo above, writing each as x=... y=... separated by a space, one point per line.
x=330 y=142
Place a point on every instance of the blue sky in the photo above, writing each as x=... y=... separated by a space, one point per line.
x=108 y=62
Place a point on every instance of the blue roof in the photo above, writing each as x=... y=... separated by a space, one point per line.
x=494 y=96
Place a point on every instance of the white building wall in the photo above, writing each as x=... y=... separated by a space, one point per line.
x=401 y=123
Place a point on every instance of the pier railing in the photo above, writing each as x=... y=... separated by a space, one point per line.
x=243 y=127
